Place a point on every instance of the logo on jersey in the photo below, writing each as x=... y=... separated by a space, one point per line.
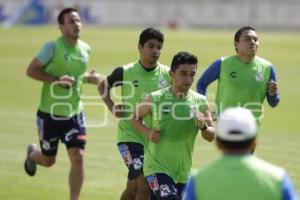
x=166 y=110
x=260 y=71
x=67 y=56
x=259 y=76
x=233 y=74
x=193 y=111
x=84 y=58
x=135 y=83
x=162 y=83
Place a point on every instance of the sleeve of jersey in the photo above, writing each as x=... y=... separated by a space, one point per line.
x=273 y=100
x=288 y=190
x=46 y=53
x=210 y=74
x=190 y=193
x=116 y=77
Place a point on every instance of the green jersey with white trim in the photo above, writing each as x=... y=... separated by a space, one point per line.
x=174 y=117
x=66 y=60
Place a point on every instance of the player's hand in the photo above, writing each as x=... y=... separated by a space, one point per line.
x=200 y=118
x=154 y=136
x=118 y=110
x=66 y=81
x=272 y=88
x=93 y=77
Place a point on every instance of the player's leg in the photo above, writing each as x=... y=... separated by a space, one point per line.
x=129 y=192
x=49 y=137
x=76 y=174
x=162 y=187
x=143 y=188
x=74 y=137
x=133 y=156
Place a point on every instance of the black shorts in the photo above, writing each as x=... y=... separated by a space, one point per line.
x=69 y=130
x=162 y=186
x=133 y=157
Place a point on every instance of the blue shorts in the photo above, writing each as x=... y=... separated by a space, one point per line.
x=162 y=186
x=133 y=157
x=51 y=129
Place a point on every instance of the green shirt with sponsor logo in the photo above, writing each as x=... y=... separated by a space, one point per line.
x=66 y=60
x=137 y=83
x=245 y=82
x=178 y=129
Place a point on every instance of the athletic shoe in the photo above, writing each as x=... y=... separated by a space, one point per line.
x=30 y=165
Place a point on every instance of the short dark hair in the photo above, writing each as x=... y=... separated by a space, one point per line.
x=235 y=145
x=150 y=33
x=183 y=57
x=61 y=15
x=239 y=32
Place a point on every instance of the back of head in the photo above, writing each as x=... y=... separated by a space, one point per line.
x=150 y=33
x=236 y=128
x=183 y=57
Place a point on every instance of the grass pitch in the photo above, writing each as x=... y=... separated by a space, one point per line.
x=278 y=140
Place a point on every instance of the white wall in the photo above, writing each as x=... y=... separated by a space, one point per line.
x=274 y=14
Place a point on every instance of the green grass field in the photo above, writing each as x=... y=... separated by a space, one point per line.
x=278 y=141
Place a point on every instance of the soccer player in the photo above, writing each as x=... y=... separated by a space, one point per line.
x=244 y=79
x=136 y=79
x=176 y=113
x=238 y=174
x=61 y=65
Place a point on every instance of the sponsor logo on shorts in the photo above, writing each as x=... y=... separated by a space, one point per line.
x=164 y=190
x=46 y=145
x=81 y=137
x=153 y=182
x=137 y=163
x=69 y=134
x=125 y=154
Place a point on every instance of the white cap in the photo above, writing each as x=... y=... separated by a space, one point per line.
x=236 y=125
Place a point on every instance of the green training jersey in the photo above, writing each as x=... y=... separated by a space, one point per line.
x=239 y=177
x=66 y=60
x=137 y=83
x=245 y=82
x=178 y=129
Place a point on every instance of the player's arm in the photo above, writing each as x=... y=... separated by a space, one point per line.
x=288 y=189
x=273 y=96
x=92 y=77
x=211 y=74
x=190 y=191
x=140 y=113
x=205 y=124
x=36 y=71
x=104 y=87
